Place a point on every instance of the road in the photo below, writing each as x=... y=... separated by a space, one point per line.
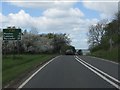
x=75 y=72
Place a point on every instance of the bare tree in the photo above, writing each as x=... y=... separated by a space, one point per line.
x=96 y=32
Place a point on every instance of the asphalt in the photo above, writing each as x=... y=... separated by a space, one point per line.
x=104 y=65
x=67 y=72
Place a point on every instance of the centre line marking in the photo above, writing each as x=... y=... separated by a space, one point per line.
x=103 y=77
x=99 y=70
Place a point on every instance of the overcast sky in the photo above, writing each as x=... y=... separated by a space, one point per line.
x=58 y=16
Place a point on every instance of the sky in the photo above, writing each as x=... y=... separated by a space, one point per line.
x=72 y=17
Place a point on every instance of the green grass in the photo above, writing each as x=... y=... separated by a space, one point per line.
x=107 y=54
x=13 y=67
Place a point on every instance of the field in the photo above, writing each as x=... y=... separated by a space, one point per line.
x=14 y=66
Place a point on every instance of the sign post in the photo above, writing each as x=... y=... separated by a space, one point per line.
x=12 y=34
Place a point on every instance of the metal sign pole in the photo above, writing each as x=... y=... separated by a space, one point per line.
x=13 y=49
x=18 y=46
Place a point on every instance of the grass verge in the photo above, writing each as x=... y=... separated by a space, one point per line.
x=107 y=54
x=12 y=68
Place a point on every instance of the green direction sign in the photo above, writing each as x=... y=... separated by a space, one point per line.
x=11 y=34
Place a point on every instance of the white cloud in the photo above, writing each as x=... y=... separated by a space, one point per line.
x=70 y=21
x=0 y=20
x=44 y=4
x=80 y=41
x=19 y=19
x=58 y=13
x=0 y=17
x=59 y=17
x=107 y=9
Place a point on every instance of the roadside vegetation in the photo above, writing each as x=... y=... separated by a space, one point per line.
x=15 y=66
x=104 y=38
x=36 y=43
x=109 y=55
x=25 y=55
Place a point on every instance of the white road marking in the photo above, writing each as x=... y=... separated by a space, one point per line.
x=36 y=73
x=100 y=71
x=106 y=79
x=104 y=60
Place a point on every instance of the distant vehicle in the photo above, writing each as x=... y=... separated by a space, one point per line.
x=69 y=52
x=79 y=52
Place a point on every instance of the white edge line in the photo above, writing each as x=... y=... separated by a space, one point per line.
x=100 y=70
x=36 y=73
x=104 y=59
x=109 y=81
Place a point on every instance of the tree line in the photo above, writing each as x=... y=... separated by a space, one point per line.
x=37 y=43
x=105 y=34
